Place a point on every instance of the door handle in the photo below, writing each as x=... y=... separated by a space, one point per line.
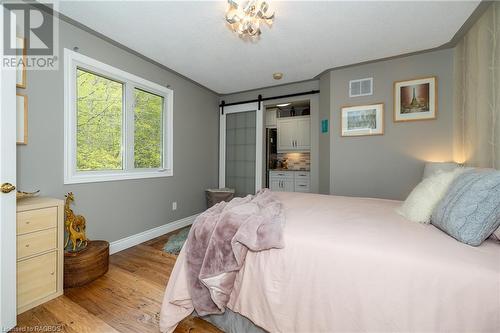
x=7 y=188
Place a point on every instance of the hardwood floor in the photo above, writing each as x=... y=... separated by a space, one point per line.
x=127 y=299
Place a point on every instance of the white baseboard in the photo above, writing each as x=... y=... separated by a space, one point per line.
x=144 y=236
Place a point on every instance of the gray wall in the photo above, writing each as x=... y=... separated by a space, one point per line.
x=121 y=208
x=389 y=166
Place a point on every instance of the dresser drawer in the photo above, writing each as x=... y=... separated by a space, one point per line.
x=36 y=219
x=36 y=242
x=36 y=278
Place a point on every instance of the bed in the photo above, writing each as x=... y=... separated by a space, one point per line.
x=354 y=265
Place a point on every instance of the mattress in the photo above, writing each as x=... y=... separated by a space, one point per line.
x=354 y=265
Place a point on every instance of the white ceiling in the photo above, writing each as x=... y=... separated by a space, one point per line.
x=306 y=38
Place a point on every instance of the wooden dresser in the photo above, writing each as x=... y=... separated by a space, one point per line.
x=40 y=252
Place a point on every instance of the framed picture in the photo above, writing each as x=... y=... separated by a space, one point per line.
x=22 y=119
x=21 y=68
x=415 y=99
x=363 y=120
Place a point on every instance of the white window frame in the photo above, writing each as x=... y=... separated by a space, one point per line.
x=74 y=60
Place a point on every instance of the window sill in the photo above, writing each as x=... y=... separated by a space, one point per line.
x=89 y=177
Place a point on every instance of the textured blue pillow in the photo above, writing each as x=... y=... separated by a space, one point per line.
x=470 y=210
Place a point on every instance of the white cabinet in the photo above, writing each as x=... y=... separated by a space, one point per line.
x=302 y=181
x=289 y=181
x=271 y=118
x=281 y=181
x=286 y=129
x=282 y=185
x=303 y=133
x=294 y=133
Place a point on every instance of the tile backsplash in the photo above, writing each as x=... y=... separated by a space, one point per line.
x=296 y=161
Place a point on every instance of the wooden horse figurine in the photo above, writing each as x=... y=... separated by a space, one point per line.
x=75 y=226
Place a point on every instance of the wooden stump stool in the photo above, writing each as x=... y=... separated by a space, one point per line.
x=86 y=266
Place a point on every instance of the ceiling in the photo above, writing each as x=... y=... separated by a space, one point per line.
x=306 y=38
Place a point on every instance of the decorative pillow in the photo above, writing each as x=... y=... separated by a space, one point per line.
x=425 y=196
x=470 y=211
x=432 y=168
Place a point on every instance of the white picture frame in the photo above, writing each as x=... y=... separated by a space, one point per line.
x=362 y=120
x=21 y=68
x=22 y=119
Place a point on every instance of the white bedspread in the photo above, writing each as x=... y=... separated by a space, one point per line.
x=354 y=265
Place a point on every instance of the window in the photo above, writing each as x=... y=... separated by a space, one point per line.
x=117 y=125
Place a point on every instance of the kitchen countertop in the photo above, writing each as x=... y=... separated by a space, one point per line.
x=280 y=169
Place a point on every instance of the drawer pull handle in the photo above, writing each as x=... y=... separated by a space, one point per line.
x=27 y=222
x=303 y=185
x=51 y=273
x=27 y=245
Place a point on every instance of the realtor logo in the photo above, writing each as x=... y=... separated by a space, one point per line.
x=30 y=35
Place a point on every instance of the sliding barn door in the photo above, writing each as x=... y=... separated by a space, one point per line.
x=240 y=164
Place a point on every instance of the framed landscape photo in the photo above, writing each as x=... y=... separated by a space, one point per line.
x=415 y=99
x=362 y=120
x=21 y=68
x=22 y=119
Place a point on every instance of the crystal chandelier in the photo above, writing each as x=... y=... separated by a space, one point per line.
x=244 y=17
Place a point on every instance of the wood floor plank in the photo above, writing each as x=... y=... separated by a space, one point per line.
x=76 y=317
x=127 y=299
x=40 y=317
x=127 y=305
x=62 y=315
x=147 y=262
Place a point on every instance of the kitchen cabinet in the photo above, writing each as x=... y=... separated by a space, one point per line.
x=294 y=133
x=289 y=181
x=271 y=118
x=282 y=185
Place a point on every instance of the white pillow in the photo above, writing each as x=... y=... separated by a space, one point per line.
x=425 y=196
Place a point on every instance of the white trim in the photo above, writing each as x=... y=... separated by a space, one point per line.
x=8 y=278
x=222 y=148
x=259 y=128
x=144 y=236
x=72 y=60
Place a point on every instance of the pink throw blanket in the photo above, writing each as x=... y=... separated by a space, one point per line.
x=218 y=243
